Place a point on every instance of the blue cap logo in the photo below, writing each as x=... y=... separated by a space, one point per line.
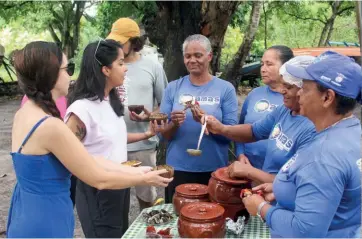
x=339 y=78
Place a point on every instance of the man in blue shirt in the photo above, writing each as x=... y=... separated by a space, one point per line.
x=318 y=191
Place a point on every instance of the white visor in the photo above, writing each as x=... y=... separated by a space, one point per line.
x=300 y=61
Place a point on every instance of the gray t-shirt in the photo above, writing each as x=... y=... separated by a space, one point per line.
x=144 y=84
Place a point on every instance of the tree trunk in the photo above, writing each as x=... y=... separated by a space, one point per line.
x=233 y=68
x=330 y=31
x=328 y=26
x=76 y=24
x=265 y=27
x=323 y=34
x=216 y=16
x=175 y=21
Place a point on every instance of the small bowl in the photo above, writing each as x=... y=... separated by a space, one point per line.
x=159 y=117
x=170 y=170
x=136 y=108
x=132 y=163
x=194 y=152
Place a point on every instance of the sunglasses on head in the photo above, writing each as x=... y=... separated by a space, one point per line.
x=95 y=52
x=70 y=68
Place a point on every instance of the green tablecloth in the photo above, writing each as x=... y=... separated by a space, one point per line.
x=254 y=229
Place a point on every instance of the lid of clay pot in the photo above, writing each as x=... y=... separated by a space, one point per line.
x=222 y=175
x=202 y=211
x=192 y=189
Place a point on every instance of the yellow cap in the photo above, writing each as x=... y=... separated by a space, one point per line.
x=123 y=29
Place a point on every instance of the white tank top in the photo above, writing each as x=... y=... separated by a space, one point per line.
x=106 y=132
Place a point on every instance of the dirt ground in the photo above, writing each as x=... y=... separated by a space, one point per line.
x=7 y=176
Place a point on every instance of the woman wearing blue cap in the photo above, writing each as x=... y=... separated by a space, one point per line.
x=318 y=191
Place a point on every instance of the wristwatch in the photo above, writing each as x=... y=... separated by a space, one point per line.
x=258 y=213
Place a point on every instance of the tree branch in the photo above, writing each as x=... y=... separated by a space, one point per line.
x=135 y=5
x=345 y=9
x=15 y=5
x=304 y=18
x=53 y=34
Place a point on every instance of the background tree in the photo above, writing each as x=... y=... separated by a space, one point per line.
x=232 y=70
x=326 y=14
x=61 y=19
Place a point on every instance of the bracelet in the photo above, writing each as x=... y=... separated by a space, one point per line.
x=261 y=205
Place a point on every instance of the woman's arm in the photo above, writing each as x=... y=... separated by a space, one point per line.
x=246 y=170
x=260 y=176
x=62 y=142
x=135 y=137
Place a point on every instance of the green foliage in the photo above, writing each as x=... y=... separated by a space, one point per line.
x=241 y=16
x=232 y=41
x=109 y=12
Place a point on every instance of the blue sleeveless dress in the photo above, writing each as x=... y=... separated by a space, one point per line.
x=41 y=206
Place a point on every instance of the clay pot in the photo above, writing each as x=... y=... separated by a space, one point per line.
x=136 y=108
x=234 y=211
x=189 y=193
x=159 y=117
x=170 y=170
x=201 y=220
x=226 y=191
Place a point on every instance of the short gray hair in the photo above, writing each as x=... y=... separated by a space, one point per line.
x=204 y=41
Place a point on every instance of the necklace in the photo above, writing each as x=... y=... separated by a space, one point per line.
x=339 y=121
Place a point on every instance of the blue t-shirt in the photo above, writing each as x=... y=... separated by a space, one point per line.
x=285 y=133
x=217 y=98
x=319 y=189
x=258 y=104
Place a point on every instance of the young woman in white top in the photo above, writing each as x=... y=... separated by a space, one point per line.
x=95 y=115
x=46 y=152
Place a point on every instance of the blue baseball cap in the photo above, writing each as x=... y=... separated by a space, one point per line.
x=334 y=71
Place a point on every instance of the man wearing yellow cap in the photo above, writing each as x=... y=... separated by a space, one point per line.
x=144 y=85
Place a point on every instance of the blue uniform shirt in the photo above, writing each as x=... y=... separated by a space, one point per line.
x=217 y=98
x=318 y=191
x=285 y=133
x=258 y=104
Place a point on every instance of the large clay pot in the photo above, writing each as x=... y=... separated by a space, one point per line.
x=234 y=211
x=188 y=193
x=226 y=192
x=201 y=220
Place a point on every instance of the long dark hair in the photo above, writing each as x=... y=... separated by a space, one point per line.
x=37 y=67
x=91 y=82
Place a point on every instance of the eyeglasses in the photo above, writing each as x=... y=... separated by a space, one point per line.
x=69 y=68
x=95 y=52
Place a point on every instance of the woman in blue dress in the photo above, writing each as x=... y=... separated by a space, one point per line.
x=45 y=151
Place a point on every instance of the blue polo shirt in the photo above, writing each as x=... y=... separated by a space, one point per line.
x=217 y=98
x=258 y=104
x=318 y=191
x=285 y=133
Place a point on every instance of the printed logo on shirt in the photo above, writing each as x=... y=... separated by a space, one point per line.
x=203 y=100
x=123 y=91
x=289 y=163
x=282 y=141
x=263 y=106
x=359 y=164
